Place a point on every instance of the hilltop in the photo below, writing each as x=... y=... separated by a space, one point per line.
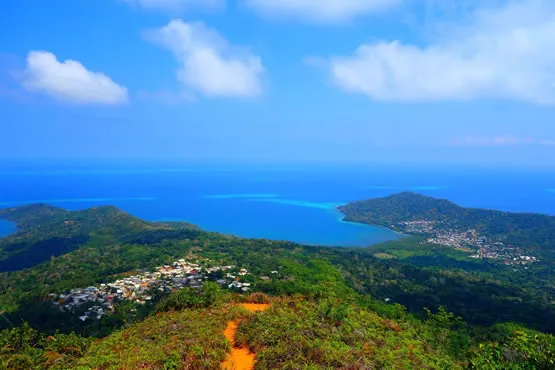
x=44 y=231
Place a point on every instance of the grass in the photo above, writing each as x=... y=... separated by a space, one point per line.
x=189 y=339
x=384 y=256
x=297 y=333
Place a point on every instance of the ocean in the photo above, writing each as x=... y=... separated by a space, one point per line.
x=6 y=228
x=295 y=203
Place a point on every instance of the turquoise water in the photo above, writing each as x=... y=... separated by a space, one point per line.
x=282 y=203
x=241 y=196
x=329 y=206
x=6 y=228
x=74 y=200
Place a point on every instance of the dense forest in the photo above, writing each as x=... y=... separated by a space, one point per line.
x=428 y=307
x=45 y=231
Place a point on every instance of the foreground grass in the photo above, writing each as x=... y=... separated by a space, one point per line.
x=304 y=334
x=189 y=339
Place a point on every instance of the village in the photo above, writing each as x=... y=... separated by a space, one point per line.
x=101 y=300
x=468 y=241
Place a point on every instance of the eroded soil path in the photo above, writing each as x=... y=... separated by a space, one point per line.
x=240 y=358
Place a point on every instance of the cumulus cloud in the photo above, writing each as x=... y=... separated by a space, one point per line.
x=504 y=52
x=320 y=10
x=208 y=64
x=70 y=81
x=501 y=140
x=176 y=6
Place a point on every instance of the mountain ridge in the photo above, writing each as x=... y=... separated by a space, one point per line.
x=45 y=231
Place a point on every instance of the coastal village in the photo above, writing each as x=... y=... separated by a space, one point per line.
x=101 y=300
x=468 y=241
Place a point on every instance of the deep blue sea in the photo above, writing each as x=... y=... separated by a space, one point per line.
x=287 y=203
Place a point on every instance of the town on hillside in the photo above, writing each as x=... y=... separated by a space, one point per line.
x=468 y=241
x=101 y=300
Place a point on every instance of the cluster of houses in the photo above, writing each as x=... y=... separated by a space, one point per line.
x=468 y=240
x=417 y=227
x=457 y=239
x=522 y=260
x=444 y=236
x=95 y=302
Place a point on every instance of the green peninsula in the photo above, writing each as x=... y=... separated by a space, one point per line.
x=512 y=238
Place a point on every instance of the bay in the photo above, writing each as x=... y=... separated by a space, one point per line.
x=296 y=203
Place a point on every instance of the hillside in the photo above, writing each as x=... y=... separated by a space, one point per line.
x=220 y=331
x=530 y=231
x=44 y=231
x=331 y=307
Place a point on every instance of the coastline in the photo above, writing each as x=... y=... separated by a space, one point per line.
x=342 y=219
x=8 y=227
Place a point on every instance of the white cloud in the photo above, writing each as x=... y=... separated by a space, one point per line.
x=504 y=52
x=208 y=64
x=177 y=6
x=329 y=11
x=70 y=81
x=502 y=140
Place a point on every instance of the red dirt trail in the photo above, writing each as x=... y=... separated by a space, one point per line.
x=240 y=358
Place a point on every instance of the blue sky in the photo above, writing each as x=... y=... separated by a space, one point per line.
x=410 y=81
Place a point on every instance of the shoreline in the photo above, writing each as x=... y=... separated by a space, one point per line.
x=8 y=228
x=342 y=219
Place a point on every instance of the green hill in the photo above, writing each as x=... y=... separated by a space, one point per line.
x=44 y=231
x=531 y=231
x=331 y=307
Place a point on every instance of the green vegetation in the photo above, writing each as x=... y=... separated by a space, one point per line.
x=413 y=249
x=25 y=348
x=532 y=231
x=45 y=231
x=402 y=304
x=187 y=339
x=210 y=295
x=330 y=333
x=186 y=332
x=514 y=347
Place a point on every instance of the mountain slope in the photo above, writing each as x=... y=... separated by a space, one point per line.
x=44 y=231
x=527 y=230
